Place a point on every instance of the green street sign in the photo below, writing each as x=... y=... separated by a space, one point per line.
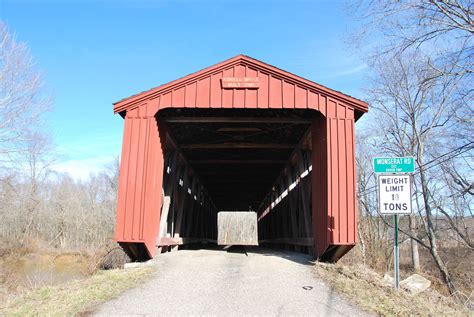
x=394 y=164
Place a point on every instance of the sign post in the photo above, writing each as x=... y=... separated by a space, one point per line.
x=396 y=253
x=394 y=188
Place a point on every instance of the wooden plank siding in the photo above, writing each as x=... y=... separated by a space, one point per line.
x=278 y=89
x=140 y=181
x=273 y=93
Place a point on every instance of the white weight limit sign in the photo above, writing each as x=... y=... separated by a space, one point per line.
x=394 y=194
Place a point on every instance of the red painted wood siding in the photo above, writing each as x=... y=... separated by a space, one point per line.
x=140 y=181
x=277 y=89
x=333 y=186
x=274 y=92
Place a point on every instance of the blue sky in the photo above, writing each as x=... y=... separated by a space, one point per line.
x=93 y=53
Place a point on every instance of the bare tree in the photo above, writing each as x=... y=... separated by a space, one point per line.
x=33 y=163
x=421 y=55
x=22 y=97
x=24 y=142
x=443 y=29
x=35 y=204
x=419 y=110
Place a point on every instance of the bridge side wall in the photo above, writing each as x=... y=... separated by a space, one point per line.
x=140 y=183
x=333 y=182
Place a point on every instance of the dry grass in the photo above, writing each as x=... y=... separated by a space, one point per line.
x=457 y=258
x=369 y=291
x=77 y=296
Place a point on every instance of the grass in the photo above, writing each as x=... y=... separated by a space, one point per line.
x=368 y=290
x=77 y=297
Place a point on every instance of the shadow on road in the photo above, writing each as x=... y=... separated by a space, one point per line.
x=288 y=255
x=236 y=249
x=300 y=258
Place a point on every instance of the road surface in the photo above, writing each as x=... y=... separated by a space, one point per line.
x=234 y=282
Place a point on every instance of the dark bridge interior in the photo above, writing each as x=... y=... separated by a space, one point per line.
x=243 y=159
x=237 y=154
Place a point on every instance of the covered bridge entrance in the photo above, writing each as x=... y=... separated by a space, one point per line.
x=239 y=135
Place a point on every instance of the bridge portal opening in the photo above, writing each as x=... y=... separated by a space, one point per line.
x=237 y=160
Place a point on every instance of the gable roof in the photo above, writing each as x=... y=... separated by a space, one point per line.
x=248 y=62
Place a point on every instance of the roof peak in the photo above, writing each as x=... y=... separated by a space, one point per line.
x=236 y=60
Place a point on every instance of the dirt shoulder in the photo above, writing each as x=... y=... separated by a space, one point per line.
x=368 y=290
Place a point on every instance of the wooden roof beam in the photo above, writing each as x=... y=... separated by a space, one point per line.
x=236 y=120
x=237 y=162
x=213 y=146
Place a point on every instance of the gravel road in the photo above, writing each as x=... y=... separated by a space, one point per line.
x=234 y=282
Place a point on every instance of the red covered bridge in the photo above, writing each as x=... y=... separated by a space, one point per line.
x=238 y=135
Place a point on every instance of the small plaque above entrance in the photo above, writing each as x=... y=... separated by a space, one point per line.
x=240 y=82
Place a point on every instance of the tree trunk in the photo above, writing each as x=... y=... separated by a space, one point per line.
x=415 y=256
x=361 y=241
x=431 y=234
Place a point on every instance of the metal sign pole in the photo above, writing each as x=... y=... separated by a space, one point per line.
x=396 y=254
x=394 y=196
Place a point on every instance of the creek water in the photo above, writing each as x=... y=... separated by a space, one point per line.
x=36 y=270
